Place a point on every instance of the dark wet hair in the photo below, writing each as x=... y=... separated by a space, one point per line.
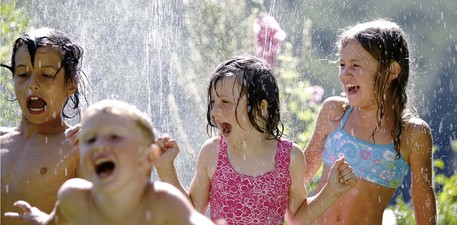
x=60 y=42
x=257 y=82
x=386 y=42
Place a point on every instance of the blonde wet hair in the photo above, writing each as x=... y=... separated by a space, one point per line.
x=118 y=107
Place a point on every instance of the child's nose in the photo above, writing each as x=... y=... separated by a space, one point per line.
x=100 y=145
x=344 y=72
x=33 y=82
x=215 y=110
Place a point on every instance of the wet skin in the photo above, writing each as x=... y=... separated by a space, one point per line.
x=36 y=158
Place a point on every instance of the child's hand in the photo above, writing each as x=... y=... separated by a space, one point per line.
x=168 y=150
x=341 y=178
x=31 y=215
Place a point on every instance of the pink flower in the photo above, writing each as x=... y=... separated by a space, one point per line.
x=317 y=92
x=269 y=37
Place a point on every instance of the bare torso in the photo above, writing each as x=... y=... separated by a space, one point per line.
x=33 y=168
x=364 y=204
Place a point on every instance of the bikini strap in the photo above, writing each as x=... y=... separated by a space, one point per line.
x=345 y=117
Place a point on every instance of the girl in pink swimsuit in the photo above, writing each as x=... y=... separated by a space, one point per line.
x=249 y=174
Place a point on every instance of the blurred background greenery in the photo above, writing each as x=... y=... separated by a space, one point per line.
x=159 y=54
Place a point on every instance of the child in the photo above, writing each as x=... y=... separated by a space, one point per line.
x=373 y=128
x=117 y=153
x=249 y=174
x=36 y=157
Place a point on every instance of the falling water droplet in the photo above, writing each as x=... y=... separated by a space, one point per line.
x=148 y=216
x=66 y=173
x=54 y=114
x=7 y=188
x=46 y=140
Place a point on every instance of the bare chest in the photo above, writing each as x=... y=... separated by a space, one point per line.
x=33 y=169
x=253 y=166
x=140 y=218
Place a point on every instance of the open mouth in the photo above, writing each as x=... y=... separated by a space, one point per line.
x=36 y=104
x=226 y=129
x=104 y=168
x=352 y=89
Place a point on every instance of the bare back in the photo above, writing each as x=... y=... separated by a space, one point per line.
x=33 y=168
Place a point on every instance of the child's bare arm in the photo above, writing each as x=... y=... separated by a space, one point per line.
x=341 y=179
x=200 y=186
x=420 y=161
x=331 y=110
x=166 y=170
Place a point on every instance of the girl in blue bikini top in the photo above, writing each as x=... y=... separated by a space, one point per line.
x=373 y=128
x=378 y=163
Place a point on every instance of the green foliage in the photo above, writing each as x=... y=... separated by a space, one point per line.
x=297 y=111
x=215 y=31
x=446 y=199
x=219 y=30
x=13 y=23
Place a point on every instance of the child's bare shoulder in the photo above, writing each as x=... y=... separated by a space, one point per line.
x=73 y=196
x=73 y=187
x=416 y=129
x=335 y=105
x=211 y=144
x=160 y=189
x=168 y=205
x=210 y=149
x=163 y=196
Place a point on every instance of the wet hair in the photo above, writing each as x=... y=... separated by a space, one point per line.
x=117 y=107
x=257 y=83
x=60 y=42
x=386 y=42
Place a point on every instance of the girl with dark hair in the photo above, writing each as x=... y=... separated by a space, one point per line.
x=36 y=156
x=249 y=174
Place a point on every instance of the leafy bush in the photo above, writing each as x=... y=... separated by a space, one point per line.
x=446 y=199
x=14 y=23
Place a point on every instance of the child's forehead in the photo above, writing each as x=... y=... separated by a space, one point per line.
x=99 y=121
x=46 y=54
x=228 y=81
x=97 y=115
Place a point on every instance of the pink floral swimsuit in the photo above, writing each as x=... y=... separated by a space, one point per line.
x=241 y=199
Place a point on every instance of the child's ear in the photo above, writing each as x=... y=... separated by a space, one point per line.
x=264 y=108
x=153 y=153
x=394 y=70
x=72 y=85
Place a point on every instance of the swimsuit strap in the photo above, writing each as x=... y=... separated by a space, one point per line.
x=345 y=117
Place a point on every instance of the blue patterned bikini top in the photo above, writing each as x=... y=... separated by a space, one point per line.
x=377 y=163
